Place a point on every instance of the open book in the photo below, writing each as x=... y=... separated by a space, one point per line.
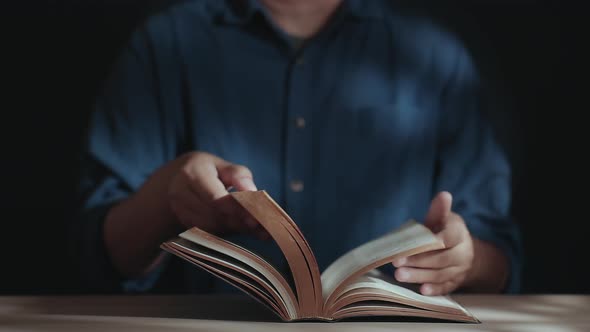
x=350 y=287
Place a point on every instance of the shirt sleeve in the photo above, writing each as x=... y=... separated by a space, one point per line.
x=473 y=167
x=129 y=136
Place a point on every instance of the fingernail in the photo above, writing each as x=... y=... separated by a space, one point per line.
x=426 y=290
x=247 y=184
x=399 y=262
x=403 y=275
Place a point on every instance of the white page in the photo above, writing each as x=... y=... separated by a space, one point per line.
x=376 y=279
x=234 y=252
x=410 y=236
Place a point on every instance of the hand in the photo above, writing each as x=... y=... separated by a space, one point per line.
x=195 y=187
x=440 y=271
x=191 y=190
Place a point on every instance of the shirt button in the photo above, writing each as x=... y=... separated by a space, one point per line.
x=300 y=122
x=296 y=186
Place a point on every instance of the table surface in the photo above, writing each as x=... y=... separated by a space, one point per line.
x=237 y=313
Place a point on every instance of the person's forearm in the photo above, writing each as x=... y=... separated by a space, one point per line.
x=490 y=269
x=134 y=230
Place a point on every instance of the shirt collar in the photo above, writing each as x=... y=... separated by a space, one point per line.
x=364 y=9
x=243 y=11
x=239 y=11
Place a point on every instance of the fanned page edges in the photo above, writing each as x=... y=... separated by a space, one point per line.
x=247 y=267
x=409 y=239
x=349 y=287
x=241 y=282
x=300 y=258
x=376 y=292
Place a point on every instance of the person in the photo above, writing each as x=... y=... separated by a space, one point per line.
x=354 y=115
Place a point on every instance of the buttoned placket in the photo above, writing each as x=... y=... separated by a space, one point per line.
x=298 y=136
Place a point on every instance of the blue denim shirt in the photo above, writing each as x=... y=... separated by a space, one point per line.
x=353 y=133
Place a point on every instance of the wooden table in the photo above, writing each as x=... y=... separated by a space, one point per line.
x=237 y=313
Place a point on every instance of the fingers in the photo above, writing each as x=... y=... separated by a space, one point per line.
x=240 y=178
x=233 y=175
x=190 y=209
x=211 y=176
x=190 y=217
x=237 y=176
x=199 y=195
x=454 y=231
x=233 y=215
x=438 y=289
x=439 y=210
x=433 y=259
x=204 y=181
x=421 y=276
x=440 y=271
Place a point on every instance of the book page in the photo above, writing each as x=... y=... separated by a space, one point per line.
x=377 y=286
x=297 y=251
x=383 y=309
x=239 y=259
x=239 y=279
x=411 y=238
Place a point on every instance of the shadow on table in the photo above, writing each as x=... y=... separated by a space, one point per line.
x=230 y=308
x=227 y=308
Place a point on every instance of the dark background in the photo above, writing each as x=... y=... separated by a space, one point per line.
x=55 y=55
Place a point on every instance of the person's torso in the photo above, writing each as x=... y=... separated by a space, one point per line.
x=342 y=132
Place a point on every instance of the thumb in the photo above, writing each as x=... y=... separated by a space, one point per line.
x=440 y=209
x=237 y=176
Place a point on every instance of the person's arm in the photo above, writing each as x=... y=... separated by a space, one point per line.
x=483 y=244
x=125 y=144
x=188 y=191
x=136 y=191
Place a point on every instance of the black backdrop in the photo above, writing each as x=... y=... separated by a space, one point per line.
x=55 y=54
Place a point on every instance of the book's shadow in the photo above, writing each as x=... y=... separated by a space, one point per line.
x=395 y=319
x=211 y=307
